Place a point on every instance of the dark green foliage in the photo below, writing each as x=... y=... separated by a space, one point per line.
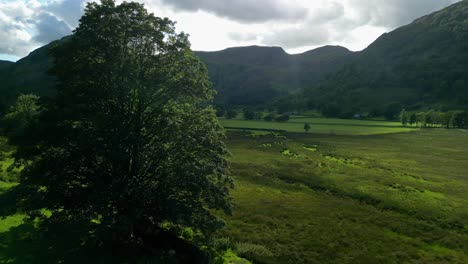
x=270 y=117
x=230 y=114
x=282 y=118
x=413 y=119
x=450 y=119
x=258 y=115
x=404 y=117
x=391 y=111
x=290 y=103
x=330 y=110
x=460 y=119
x=23 y=114
x=129 y=140
x=248 y=114
x=220 y=111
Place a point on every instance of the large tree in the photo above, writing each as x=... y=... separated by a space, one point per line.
x=130 y=138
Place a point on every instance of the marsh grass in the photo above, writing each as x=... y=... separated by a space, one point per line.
x=313 y=198
x=393 y=198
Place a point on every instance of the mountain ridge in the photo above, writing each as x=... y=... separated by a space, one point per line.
x=421 y=65
x=258 y=75
x=252 y=67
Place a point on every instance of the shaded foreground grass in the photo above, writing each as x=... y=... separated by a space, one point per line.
x=398 y=198
x=43 y=242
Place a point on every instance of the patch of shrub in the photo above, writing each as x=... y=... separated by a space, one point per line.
x=251 y=251
x=282 y=118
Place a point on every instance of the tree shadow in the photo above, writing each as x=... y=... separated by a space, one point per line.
x=45 y=242
x=53 y=243
x=58 y=242
x=33 y=243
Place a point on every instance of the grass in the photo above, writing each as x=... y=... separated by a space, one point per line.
x=392 y=198
x=320 y=126
x=7 y=174
x=316 y=198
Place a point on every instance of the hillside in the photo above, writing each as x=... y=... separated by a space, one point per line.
x=28 y=75
x=242 y=76
x=418 y=66
x=257 y=75
x=421 y=65
x=5 y=64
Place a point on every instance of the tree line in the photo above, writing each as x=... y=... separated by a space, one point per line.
x=450 y=119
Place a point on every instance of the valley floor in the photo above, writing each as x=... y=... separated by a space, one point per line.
x=319 y=198
x=395 y=198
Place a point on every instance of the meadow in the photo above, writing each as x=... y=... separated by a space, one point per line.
x=392 y=198
x=319 y=126
x=366 y=193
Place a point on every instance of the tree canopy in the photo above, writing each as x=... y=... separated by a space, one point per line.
x=130 y=138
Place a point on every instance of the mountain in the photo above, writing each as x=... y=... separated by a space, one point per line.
x=242 y=76
x=28 y=75
x=258 y=75
x=421 y=65
x=5 y=64
x=418 y=66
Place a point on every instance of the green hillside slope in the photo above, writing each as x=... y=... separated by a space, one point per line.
x=28 y=75
x=242 y=76
x=423 y=64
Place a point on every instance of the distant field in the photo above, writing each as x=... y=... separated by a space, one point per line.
x=320 y=126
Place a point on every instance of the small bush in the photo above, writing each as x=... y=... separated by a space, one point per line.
x=221 y=244
x=251 y=251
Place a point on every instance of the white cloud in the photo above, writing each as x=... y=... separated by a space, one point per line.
x=395 y=13
x=28 y=24
x=296 y=25
x=246 y=11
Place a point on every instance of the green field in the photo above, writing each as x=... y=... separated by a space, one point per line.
x=358 y=197
x=394 y=198
x=320 y=126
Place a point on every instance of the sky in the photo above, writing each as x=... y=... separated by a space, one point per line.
x=295 y=25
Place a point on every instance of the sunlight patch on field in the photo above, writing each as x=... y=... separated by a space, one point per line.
x=318 y=126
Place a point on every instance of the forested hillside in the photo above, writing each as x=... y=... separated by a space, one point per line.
x=421 y=65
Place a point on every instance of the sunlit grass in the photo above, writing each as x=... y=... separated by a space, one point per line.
x=394 y=198
x=320 y=126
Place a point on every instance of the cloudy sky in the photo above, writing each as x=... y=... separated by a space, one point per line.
x=295 y=25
